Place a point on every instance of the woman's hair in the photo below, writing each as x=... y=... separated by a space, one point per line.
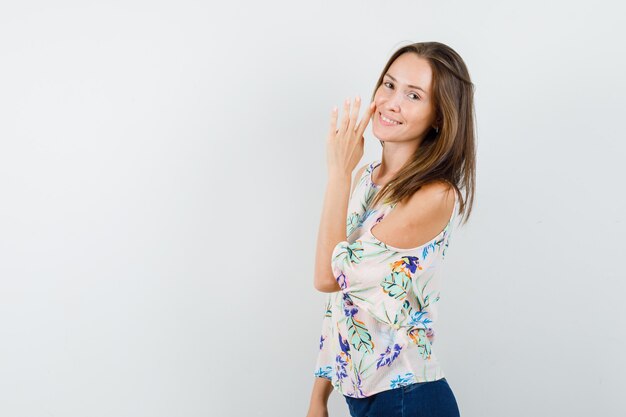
x=448 y=155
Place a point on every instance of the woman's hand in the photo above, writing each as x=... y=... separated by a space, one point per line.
x=345 y=144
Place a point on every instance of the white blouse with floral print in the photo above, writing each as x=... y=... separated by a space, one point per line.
x=378 y=330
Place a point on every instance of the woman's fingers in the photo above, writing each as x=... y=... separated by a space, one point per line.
x=354 y=114
x=333 y=123
x=349 y=119
x=366 y=119
x=346 y=116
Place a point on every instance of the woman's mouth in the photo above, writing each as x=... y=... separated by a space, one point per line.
x=387 y=122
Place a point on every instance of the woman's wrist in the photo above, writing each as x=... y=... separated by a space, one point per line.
x=318 y=404
x=339 y=177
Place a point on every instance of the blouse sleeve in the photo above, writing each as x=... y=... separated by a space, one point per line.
x=378 y=278
x=325 y=359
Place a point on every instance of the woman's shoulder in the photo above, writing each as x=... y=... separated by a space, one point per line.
x=434 y=202
x=429 y=209
x=419 y=219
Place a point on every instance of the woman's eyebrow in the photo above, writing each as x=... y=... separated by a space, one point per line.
x=411 y=86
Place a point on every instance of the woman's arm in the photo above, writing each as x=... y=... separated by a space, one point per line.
x=318 y=407
x=322 y=260
x=332 y=230
x=344 y=150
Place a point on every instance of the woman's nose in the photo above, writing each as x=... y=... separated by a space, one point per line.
x=393 y=103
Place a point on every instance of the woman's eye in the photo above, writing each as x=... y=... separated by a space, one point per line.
x=389 y=85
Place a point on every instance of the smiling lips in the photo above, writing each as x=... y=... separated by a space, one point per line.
x=387 y=121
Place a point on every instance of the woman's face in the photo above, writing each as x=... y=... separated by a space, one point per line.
x=404 y=97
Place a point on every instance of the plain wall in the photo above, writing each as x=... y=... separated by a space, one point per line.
x=162 y=173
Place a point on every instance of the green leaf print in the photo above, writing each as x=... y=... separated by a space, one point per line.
x=403 y=313
x=359 y=336
x=418 y=336
x=352 y=223
x=425 y=299
x=368 y=197
x=328 y=312
x=396 y=285
x=352 y=254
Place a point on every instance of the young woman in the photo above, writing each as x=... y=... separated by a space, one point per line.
x=376 y=344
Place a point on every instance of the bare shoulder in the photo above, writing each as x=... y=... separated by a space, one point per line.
x=431 y=205
x=420 y=218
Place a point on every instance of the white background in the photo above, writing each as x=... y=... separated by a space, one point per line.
x=162 y=171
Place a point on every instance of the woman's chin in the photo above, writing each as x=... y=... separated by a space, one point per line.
x=382 y=133
x=384 y=137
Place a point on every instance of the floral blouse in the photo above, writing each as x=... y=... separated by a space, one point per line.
x=378 y=330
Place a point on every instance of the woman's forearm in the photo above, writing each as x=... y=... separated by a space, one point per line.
x=332 y=230
x=322 y=388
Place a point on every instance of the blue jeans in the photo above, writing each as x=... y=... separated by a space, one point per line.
x=421 y=399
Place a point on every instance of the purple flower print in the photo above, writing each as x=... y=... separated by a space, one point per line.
x=388 y=356
x=340 y=366
x=342 y=280
x=349 y=309
x=343 y=343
